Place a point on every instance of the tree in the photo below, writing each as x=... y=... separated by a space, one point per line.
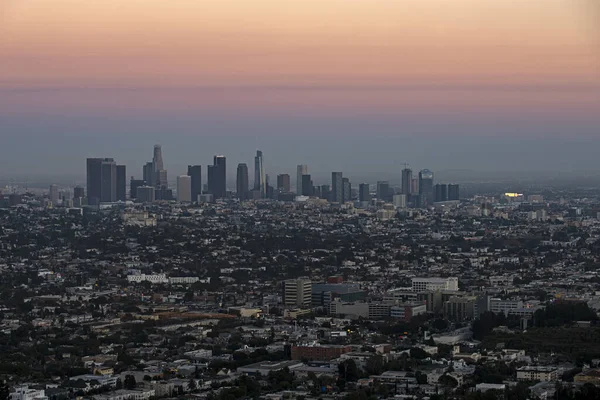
x=192 y=384
x=4 y=391
x=130 y=382
x=348 y=371
x=418 y=353
x=119 y=384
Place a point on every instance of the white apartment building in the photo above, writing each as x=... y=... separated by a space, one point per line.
x=535 y=373
x=498 y=306
x=434 y=284
x=187 y=280
x=25 y=393
x=154 y=279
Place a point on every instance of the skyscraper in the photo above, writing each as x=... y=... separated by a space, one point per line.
x=148 y=176
x=347 y=190
x=283 y=182
x=195 y=173
x=78 y=192
x=364 y=194
x=337 y=187
x=160 y=174
x=307 y=185
x=407 y=181
x=326 y=192
x=184 y=189
x=426 y=187
x=220 y=177
x=453 y=192
x=53 y=194
x=259 y=174
x=121 y=183
x=300 y=170
x=101 y=180
x=383 y=190
x=242 y=182
x=108 y=193
x=146 y=194
x=441 y=192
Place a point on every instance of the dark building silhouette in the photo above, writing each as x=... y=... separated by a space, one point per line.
x=453 y=192
x=364 y=193
x=383 y=191
x=195 y=173
x=337 y=187
x=241 y=184
x=219 y=190
x=407 y=181
x=134 y=184
x=441 y=192
x=101 y=180
x=426 y=192
x=78 y=192
x=307 y=185
x=283 y=183
x=149 y=176
x=326 y=192
x=121 y=183
x=347 y=190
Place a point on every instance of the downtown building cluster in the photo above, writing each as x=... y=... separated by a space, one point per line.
x=106 y=184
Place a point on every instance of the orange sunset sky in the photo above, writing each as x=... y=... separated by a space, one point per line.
x=527 y=59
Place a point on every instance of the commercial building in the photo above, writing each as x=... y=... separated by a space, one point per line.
x=307 y=186
x=283 y=183
x=407 y=181
x=260 y=183
x=217 y=177
x=453 y=192
x=184 y=188
x=146 y=194
x=241 y=185
x=407 y=311
x=537 y=373
x=319 y=352
x=101 y=181
x=383 y=191
x=337 y=187
x=121 y=183
x=300 y=170
x=364 y=193
x=426 y=191
x=433 y=284
x=441 y=193
x=195 y=173
x=53 y=194
x=297 y=293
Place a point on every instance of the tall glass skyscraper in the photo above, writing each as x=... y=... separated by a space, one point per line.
x=426 y=192
x=259 y=174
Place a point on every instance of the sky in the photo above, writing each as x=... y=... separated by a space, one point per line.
x=456 y=86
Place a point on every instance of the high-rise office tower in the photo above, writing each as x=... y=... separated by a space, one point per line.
x=337 y=187
x=101 y=181
x=53 y=194
x=307 y=185
x=283 y=183
x=220 y=177
x=426 y=192
x=184 y=189
x=364 y=193
x=157 y=160
x=195 y=173
x=346 y=190
x=160 y=173
x=134 y=184
x=109 y=182
x=259 y=175
x=149 y=177
x=453 y=192
x=383 y=190
x=326 y=192
x=121 y=183
x=441 y=192
x=242 y=182
x=407 y=181
x=300 y=170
